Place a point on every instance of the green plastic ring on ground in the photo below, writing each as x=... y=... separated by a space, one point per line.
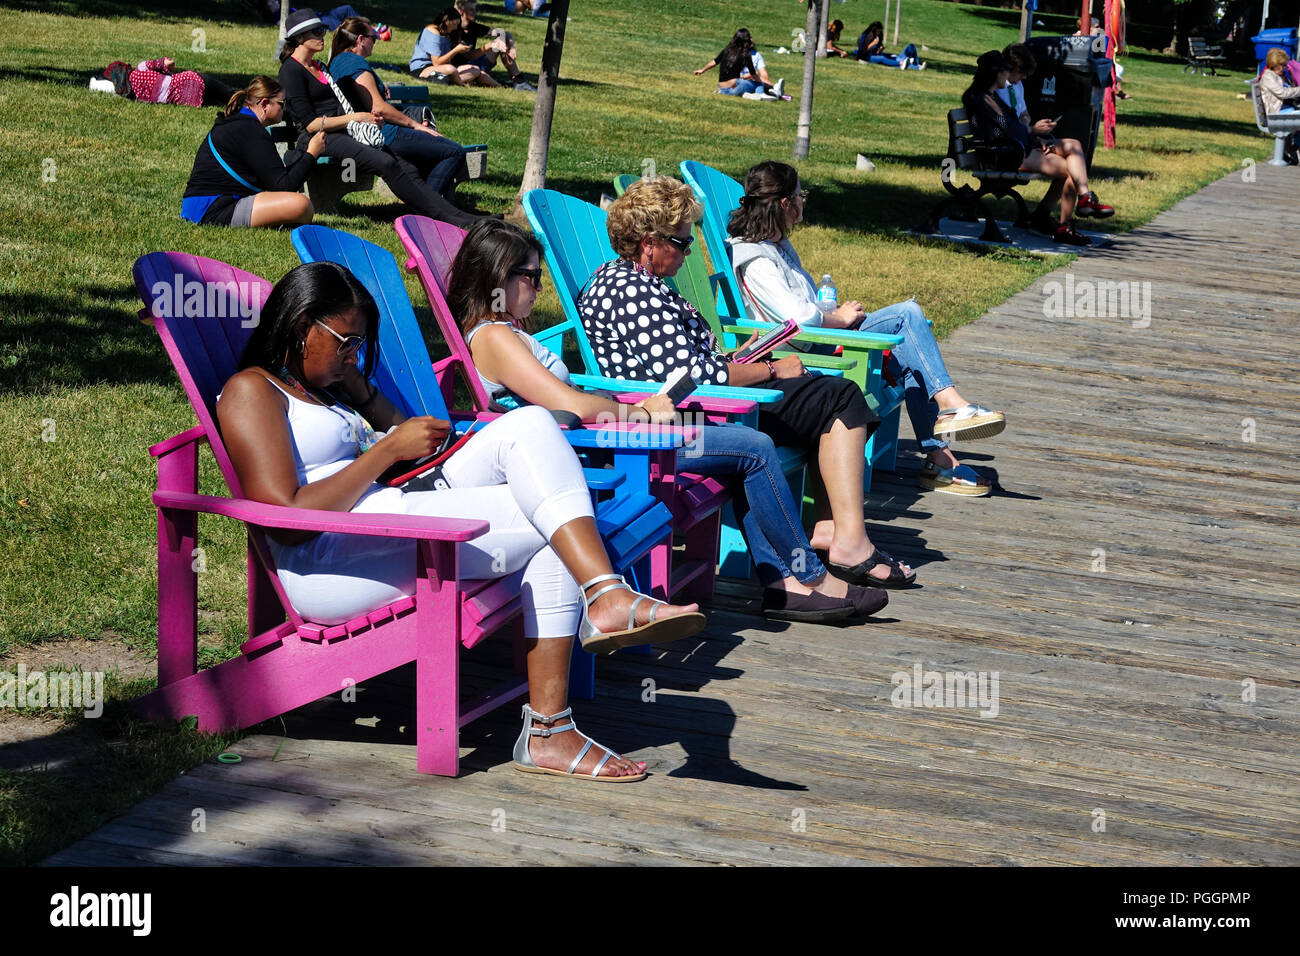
x=229 y=758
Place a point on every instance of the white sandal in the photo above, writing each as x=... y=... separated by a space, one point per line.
x=524 y=758
x=969 y=422
x=667 y=630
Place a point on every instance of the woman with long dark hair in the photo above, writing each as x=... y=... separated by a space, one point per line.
x=1007 y=144
x=515 y=368
x=314 y=107
x=735 y=60
x=777 y=287
x=871 y=49
x=238 y=178
x=306 y=428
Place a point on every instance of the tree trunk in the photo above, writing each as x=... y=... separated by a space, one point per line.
x=539 y=141
x=804 y=135
x=284 y=15
x=1026 y=21
x=825 y=21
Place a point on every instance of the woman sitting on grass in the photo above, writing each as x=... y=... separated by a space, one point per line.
x=238 y=178
x=777 y=288
x=437 y=49
x=305 y=428
x=440 y=161
x=1008 y=145
x=641 y=329
x=871 y=49
x=732 y=62
x=516 y=368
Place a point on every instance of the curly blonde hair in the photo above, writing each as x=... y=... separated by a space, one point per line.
x=1275 y=57
x=651 y=207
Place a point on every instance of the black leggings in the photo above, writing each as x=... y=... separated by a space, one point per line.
x=402 y=178
x=810 y=409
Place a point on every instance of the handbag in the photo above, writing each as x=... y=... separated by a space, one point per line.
x=366 y=133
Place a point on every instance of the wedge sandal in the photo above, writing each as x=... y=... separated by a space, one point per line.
x=962 y=480
x=968 y=423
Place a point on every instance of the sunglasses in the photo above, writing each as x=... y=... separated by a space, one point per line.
x=532 y=275
x=679 y=243
x=347 y=343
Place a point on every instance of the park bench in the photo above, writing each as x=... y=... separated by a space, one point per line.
x=329 y=182
x=1201 y=56
x=997 y=183
x=1277 y=125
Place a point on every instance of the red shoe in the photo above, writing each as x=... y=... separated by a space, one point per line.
x=1067 y=234
x=1088 y=205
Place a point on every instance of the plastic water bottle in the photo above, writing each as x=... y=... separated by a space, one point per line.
x=827 y=294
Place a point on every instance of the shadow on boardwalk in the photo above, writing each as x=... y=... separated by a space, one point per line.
x=1135 y=589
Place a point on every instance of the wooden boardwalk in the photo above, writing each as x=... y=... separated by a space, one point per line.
x=1121 y=734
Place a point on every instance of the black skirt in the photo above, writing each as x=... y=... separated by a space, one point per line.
x=811 y=407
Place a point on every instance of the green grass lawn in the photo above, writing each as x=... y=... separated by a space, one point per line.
x=92 y=181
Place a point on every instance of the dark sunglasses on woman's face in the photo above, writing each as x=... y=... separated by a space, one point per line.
x=533 y=275
x=681 y=244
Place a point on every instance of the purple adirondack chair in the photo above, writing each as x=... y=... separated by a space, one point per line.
x=289 y=661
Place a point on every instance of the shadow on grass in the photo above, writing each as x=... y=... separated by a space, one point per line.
x=73 y=340
x=232 y=11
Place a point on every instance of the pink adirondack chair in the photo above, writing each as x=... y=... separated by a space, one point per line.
x=695 y=501
x=289 y=661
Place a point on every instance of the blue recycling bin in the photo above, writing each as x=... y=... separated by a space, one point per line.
x=1283 y=38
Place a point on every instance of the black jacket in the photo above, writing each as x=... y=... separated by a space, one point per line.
x=247 y=148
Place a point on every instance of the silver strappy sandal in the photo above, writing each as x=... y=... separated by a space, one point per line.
x=524 y=758
x=666 y=630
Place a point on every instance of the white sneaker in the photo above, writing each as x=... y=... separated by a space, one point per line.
x=922 y=66
x=751 y=96
x=778 y=88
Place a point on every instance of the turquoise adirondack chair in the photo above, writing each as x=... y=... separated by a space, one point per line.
x=719 y=194
x=575 y=242
x=635 y=525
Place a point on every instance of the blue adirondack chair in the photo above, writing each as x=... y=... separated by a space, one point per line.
x=719 y=194
x=634 y=524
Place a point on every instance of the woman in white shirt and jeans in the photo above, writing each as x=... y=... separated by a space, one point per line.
x=777 y=288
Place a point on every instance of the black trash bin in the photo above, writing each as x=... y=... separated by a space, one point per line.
x=1070 y=82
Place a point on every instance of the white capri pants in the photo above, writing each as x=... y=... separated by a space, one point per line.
x=517 y=473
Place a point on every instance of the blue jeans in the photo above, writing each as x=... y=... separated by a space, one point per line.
x=917 y=363
x=741 y=87
x=439 y=159
x=766 y=509
x=891 y=59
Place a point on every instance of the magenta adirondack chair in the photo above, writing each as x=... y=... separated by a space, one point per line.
x=289 y=661
x=694 y=500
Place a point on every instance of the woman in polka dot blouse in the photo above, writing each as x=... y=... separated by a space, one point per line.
x=639 y=328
